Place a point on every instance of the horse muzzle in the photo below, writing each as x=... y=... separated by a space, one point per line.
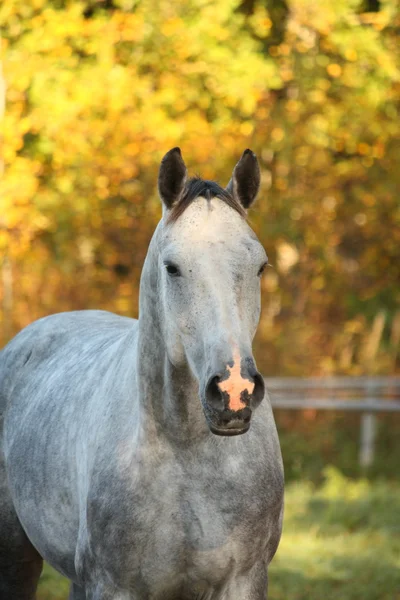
x=231 y=397
x=231 y=422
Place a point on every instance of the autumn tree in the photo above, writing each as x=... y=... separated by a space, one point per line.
x=98 y=91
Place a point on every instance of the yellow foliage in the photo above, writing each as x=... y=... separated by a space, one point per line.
x=95 y=95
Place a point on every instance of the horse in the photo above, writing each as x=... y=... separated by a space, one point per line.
x=140 y=458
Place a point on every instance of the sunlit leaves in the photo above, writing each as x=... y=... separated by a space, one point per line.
x=97 y=92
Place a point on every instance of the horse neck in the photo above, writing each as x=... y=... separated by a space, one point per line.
x=168 y=395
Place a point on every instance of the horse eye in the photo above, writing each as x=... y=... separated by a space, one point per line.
x=172 y=270
x=262 y=269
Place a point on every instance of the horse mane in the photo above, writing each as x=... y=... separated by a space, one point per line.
x=196 y=187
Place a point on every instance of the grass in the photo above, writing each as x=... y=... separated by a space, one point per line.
x=341 y=541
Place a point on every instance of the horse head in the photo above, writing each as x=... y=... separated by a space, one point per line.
x=210 y=264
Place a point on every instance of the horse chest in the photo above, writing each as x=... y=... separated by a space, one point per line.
x=192 y=519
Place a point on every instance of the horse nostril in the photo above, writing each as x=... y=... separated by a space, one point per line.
x=226 y=417
x=213 y=393
x=246 y=414
x=259 y=389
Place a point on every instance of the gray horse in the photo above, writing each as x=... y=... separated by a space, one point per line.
x=122 y=461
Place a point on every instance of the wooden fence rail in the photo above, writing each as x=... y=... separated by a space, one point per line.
x=367 y=395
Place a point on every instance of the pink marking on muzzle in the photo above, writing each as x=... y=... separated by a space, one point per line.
x=235 y=385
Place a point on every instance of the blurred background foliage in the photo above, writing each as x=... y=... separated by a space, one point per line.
x=96 y=91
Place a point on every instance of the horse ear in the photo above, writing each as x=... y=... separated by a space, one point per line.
x=245 y=181
x=171 y=177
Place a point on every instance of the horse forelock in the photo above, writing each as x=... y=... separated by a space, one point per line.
x=197 y=187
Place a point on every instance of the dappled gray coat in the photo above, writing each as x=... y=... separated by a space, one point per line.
x=142 y=458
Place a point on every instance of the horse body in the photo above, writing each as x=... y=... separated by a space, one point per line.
x=113 y=473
